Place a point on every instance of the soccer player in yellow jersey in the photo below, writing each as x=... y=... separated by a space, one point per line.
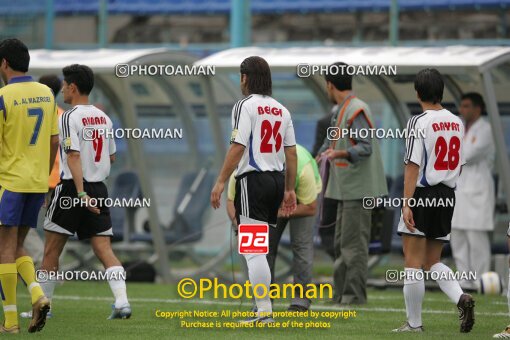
x=28 y=145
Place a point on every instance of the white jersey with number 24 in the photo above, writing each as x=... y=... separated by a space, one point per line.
x=264 y=127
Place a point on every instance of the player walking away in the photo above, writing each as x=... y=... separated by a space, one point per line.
x=308 y=186
x=85 y=165
x=432 y=167
x=29 y=141
x=263 y=147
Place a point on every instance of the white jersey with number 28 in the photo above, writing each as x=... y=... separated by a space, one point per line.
x=436 y=146
x=264 y=127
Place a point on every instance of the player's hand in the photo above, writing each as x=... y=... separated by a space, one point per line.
x=289 y=203
x=92 y=207
x=407 y=216
x=329 y=153
x=332 y=154
x=216 y=194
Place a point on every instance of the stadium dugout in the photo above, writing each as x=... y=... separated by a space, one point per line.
x=482 y=69
x=157 y=98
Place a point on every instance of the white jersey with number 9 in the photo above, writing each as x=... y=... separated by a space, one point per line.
x=87 y=129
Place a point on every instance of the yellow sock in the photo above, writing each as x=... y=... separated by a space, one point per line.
x=9 y=280
x=26 y=270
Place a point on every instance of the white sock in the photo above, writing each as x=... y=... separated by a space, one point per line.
x=117 y=285
x=259 y=274
x=508 y=293
x=414 y=290
x=48 y=288
x=449 y=287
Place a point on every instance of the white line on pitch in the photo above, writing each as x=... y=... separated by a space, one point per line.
x=431 y=299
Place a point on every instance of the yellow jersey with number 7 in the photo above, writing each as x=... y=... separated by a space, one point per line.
x=28 y=119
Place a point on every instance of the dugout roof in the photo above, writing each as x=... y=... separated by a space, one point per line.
x=100 y=60
x=407 y=59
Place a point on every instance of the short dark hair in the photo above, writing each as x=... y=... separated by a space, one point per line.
x=342 y=81
x=53 y=82
x=429 y=85
x=81 y=76
x=259 y=75
x=15 y=52
x=476 y=98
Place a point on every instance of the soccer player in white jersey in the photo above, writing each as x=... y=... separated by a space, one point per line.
x=263 y=148
x=86 y=156
x=432 y=166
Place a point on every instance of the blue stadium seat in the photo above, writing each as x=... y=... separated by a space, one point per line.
x=396 y=190
x=192 y=203
x=169 y=7
x=381 y=235
x=76 y=6
x=126 y=186
x=29 y=7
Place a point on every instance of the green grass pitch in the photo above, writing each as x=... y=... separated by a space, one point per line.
x=81 y=308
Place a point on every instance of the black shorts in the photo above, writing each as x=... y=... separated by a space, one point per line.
x=259 y=195
x=433 y=221
x=67 y=216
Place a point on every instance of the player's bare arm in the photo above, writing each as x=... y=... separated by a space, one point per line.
x=53 y=150
x=411 y=171
x=112 y=158
x=289 y=197
x=234 y=154
x=74 y=164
